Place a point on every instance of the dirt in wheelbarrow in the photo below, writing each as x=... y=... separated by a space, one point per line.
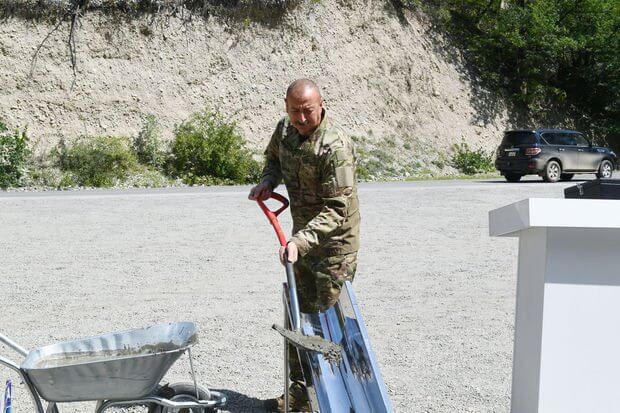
x=95 y=356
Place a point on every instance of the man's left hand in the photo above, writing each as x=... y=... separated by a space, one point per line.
x=292 y=253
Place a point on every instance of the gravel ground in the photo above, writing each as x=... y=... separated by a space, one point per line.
x=436 y=291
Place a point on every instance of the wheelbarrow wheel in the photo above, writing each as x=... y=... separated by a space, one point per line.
x=178 y=392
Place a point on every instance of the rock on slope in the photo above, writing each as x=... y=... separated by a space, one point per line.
x=385 y=75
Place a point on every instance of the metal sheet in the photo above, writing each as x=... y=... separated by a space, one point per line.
x=355 y=384
x=118 y=366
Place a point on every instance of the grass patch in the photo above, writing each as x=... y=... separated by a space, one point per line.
x=375 y=162
x=433 y=177
x=207 y=150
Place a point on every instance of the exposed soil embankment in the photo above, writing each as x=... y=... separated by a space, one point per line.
x=385 y=75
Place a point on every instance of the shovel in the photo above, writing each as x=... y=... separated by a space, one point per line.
x=329 y=350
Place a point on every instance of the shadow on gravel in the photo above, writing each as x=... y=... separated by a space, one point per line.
x=241 y=403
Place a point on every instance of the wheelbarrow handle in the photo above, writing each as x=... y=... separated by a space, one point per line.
x=5 y=340
x=272 y=216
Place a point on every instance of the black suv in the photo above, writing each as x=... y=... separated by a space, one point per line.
x=553 y=154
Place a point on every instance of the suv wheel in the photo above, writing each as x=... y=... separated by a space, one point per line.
x=553 y=171
x=566 y=177
x=605 y=170
x=512 y=177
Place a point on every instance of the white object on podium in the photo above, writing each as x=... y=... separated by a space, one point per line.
x=567 y=320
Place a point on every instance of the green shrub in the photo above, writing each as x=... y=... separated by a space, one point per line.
x=471 y=162
x=439 y=163
x=255 y=171
x=100 y=161
x=375 y=163
x=41 y=176
x=208 y=149
x=145 y=177
x=14 y=156
x=148 y=144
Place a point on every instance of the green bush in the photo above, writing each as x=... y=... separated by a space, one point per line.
x=14 y=156
x=145 y=177
x=471 y=162
x=101 y=161
x=208 y=149
x=42 y=176
x=148 y=144
x=376 y=163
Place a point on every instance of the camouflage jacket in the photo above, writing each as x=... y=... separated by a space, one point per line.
x=319 y=174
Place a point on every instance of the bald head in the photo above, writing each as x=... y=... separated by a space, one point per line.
x=303 y=87
x=304 y=106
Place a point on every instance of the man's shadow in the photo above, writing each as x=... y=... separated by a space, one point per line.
x=241 y=403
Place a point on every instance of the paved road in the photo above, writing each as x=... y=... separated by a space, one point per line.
x=436 y=291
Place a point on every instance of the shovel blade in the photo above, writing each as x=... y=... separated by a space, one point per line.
x=330 y=351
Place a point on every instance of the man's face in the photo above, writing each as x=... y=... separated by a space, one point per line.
x=305 y=109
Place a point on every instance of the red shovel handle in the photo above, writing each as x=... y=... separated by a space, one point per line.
x=272 y=216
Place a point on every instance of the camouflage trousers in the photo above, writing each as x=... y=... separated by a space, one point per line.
x=319 y=282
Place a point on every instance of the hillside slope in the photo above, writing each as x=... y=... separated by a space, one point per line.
x=386 y=76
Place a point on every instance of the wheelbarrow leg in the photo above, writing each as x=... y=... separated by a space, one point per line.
x=36 y=400
x=52 y=408
x=103 y=405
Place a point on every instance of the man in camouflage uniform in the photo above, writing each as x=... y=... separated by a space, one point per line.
x=316 y=160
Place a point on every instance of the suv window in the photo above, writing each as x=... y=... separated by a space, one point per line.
x=565 y=138
x=581 y=140
x=560 y=138
x=519 y=138
x=568 y=139
x=552 y=138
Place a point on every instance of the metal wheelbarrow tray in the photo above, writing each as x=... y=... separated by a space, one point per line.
x=355 y=384
x=116 y=366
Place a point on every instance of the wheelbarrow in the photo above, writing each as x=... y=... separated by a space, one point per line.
x=117 y=370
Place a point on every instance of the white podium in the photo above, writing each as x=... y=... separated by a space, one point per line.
x=567 y=328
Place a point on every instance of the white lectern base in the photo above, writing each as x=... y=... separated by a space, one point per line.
x=567 y=329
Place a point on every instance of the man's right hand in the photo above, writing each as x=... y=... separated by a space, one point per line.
x=292 y=253
x=260 y=192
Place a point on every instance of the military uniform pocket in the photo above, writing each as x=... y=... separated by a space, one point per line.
x=308 y=177
x=330 y=275
x=290 y=169
x=339 y=267
x=345 y=177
